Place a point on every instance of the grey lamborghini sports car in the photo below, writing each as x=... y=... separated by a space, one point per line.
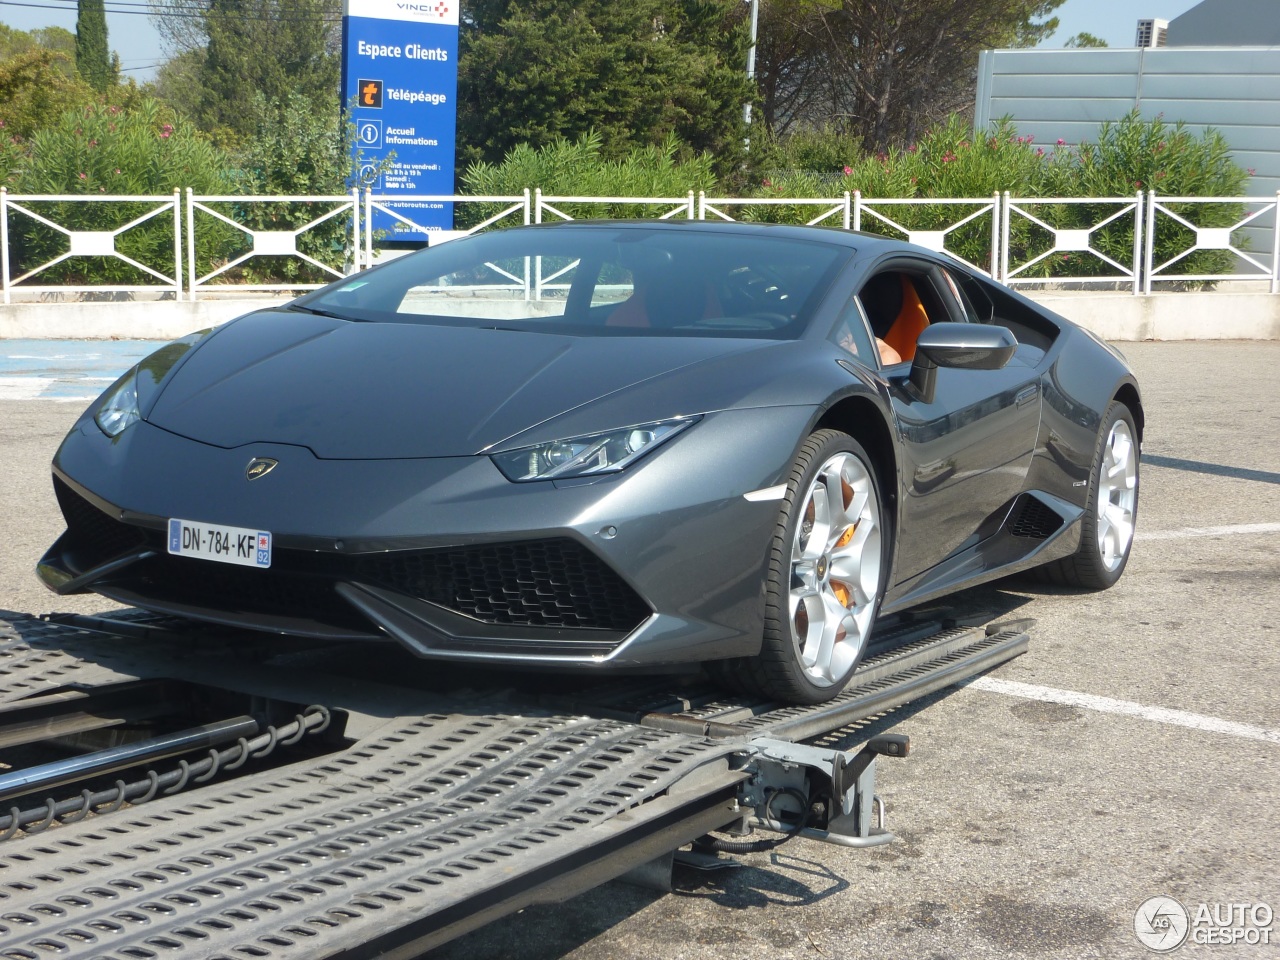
x=603 y=444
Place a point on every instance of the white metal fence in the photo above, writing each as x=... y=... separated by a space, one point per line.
x=396 y=209
x=93 y=246
x=130 y=222
x=1227 y=238
x=827 y=210
x=935 y=228
x=252 y=228
x=1093 y=230
x=659 y=208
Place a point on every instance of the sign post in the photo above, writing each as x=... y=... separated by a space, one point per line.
x=400 y=83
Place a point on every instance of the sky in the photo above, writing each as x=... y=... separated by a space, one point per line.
x=136 y=40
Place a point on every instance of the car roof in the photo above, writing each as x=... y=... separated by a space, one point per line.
x=866 y=242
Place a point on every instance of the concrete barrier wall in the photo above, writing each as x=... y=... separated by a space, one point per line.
x=1171 y=316
x=1168 y=316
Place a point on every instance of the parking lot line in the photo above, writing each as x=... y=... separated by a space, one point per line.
x=23 y=388
x=1177 y=718
x=1236 y=529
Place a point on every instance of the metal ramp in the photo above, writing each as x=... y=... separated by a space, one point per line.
x=428 y=824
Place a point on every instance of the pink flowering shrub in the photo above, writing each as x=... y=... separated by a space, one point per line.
x=951 y=161
x=107 y=150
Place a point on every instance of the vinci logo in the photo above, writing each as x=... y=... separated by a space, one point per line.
x=440 y=10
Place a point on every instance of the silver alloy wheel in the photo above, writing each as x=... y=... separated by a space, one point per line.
x=836 y=558
x=1117 y=495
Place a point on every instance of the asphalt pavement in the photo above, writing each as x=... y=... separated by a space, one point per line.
x=1132 y=753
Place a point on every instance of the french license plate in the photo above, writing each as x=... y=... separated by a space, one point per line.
x=210 y=541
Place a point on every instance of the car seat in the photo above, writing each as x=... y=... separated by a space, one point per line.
x=684 y=301
x=910 y=323
x=897 y=316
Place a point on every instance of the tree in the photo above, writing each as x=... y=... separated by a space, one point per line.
x=180 y=24
x=93 y=55
x=35 y=89
x=270 y=47
x=538 y=70
x=1084 y=39
x=57 y=39
x=222 y=53
x=297 y=148
x=883 y=70
x=177 y=82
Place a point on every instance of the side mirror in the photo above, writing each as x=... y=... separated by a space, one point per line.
x=963 y=346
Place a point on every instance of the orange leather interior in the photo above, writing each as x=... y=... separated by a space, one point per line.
x=911 y=322
x=634 y=312
x=630 y=313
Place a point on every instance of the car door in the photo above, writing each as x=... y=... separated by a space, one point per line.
x=966 y=451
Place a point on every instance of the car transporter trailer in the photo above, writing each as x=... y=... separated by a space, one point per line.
x=176 y=790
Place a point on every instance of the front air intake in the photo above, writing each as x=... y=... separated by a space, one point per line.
x=535 y=583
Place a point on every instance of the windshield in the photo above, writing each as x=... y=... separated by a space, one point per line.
x=617 y=280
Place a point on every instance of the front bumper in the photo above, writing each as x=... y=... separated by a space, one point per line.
x=661 y=564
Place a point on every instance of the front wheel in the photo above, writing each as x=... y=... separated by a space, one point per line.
x=827 y=569
x=1111 y=511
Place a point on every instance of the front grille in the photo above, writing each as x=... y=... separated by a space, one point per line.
x=536 y=583
x=294 y=586
x=1033 y=519
x=97 y=536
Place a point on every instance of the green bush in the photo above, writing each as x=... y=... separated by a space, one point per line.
x=577 y=168
x=138 y=147
x=950 y=161
x=106 y=150
x=1137 y=155
x=296 y=150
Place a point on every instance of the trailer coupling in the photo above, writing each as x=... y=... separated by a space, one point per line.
x=799 y=790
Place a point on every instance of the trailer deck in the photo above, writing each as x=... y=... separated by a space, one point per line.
x=191 y=791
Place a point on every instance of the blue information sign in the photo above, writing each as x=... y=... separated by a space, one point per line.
x=400 y=67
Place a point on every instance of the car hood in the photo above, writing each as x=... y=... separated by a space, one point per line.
x=405 y=390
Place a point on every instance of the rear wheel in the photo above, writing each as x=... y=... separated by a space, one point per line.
x=828 y=565
x=1111 y=512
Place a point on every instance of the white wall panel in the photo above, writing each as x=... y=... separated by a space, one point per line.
x=1051 y=87
x=1053 y=94
x=1232 y=86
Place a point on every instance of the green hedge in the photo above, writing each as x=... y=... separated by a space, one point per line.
x=951 y=162
x=577 y=168
x=106 y=150
x=143 y=149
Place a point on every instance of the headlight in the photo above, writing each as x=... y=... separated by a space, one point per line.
x=591 y=455
x=119 y=407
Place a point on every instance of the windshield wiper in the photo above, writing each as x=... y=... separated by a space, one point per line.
x=316 y=311
x=507 y=329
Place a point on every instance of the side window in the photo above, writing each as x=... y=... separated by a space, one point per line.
x=966 y=306
x=1035 y=333
x=614 y=284
x=973 y=297
x=899 y=306
x=881 y=298
x=852 y=334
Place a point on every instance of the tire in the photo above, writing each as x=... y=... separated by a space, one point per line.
x=1111 y=510
x=825 y=579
